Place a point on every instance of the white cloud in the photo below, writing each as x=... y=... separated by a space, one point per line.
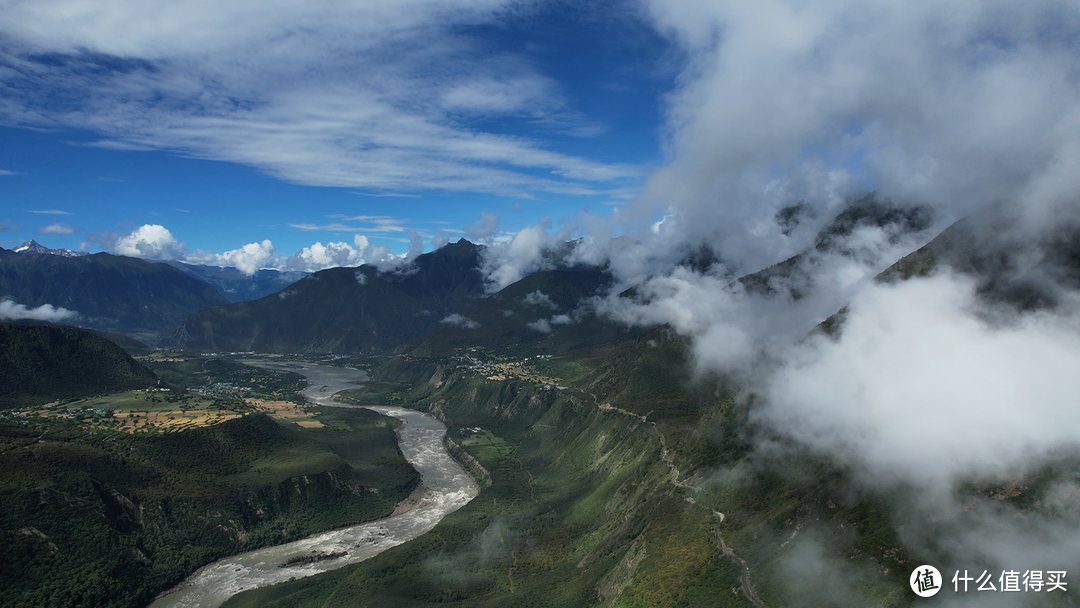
x=952 y=105
x=440 y=238
x=247 y=259
x=155 y=242
x=50 y=212
x=538 y=298
x=357 y=94
x=488 y=95
x=10 y=311
x=484 y=229
x=458 y=320
x=921 y=388
x=361 y=251
x=58 y=228
x=540 y=325
x=504 y=263
x=319 y=257
x=149 y=241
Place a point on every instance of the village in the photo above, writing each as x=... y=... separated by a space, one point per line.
x=507 y=370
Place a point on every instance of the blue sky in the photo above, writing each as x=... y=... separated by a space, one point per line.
x=318 y=125
x=246 y=132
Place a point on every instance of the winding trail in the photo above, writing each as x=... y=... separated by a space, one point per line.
x=447 y=488
x=748 y=589
x=744 y=577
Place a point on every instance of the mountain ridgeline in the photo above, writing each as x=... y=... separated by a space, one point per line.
x=343 y=310
x=441 y=300
x=144 y=300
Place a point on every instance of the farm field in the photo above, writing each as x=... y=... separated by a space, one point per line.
x=149 y=411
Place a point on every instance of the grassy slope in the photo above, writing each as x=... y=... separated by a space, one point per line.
x=573 y=488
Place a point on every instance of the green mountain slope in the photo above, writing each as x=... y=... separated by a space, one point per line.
x=545 y=312
x=1026 y=275
x=343 y=310
x=42 y=363
x=112 y=293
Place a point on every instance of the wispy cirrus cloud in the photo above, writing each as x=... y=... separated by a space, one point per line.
x=57 y=228
x=368 y=223
x=49 y=211
x=388 y=194
x=337 y=227
x=359 y=95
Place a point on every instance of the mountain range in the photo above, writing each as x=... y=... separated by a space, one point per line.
x=33 y=246
x=343 y=310
x=103 y=291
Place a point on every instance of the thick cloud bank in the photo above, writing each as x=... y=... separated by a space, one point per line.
x=951 y=105
x=920 y=387
x=150 y=241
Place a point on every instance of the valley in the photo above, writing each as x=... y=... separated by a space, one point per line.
x=590 y=461
x=109 y=507
x=445 y=488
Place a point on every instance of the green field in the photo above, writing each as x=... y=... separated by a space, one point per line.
x=486 y=446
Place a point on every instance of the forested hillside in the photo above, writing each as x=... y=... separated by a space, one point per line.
x=111 y=519
x=43 y=363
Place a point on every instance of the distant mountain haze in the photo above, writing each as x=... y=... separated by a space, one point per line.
x=236 y=286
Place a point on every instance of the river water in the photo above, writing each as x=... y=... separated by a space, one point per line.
x=448 y=488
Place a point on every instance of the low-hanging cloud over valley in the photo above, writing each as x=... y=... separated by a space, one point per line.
x=13 y=311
